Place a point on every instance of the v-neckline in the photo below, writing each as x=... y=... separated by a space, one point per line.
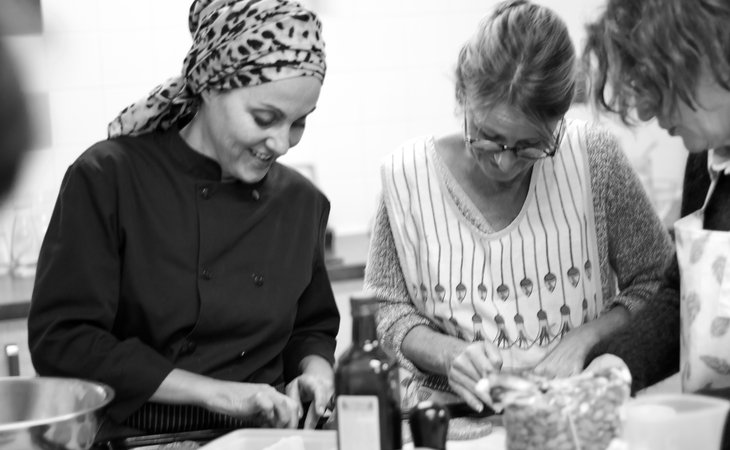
x=464 y=202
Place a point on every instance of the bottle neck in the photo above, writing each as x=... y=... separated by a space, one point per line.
x=363 y=330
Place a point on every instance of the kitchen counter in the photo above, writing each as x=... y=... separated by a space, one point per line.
x=346 y=262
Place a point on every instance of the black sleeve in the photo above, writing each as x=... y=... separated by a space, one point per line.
x=696 y=183
x=650 y=344
x=317 y=320
x=76 y=295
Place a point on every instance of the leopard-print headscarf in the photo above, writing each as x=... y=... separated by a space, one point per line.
x=236 y=43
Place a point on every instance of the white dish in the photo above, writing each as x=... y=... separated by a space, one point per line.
x=261 y=438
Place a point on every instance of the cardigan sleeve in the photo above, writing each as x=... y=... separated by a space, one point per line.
x=650 y=344
x=76 y=295
x=638 y=244
x=396 y=315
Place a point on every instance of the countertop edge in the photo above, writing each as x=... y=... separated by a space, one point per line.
x=12 y=311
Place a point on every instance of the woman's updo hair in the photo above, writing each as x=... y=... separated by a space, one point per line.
x=521 y=56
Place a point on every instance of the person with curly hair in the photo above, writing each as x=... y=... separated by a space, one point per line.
x=669 y=60
x=183 y=265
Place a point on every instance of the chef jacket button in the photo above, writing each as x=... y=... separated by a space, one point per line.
x=206 y=274
x=205 y=192
x=258 y=280
x=188 y=347
x=255 y=195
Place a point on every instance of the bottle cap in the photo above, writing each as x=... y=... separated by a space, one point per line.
x=363 y=304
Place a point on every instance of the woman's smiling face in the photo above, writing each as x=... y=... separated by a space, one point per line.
x=246 y=129
x=506 y=126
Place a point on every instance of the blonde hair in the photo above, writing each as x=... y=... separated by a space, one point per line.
x=521 y=56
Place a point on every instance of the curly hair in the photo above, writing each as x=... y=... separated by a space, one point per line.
x=652 y=53
x=521 y=56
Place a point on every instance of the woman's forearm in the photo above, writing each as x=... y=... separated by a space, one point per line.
x=430 y=350
x=183 y=387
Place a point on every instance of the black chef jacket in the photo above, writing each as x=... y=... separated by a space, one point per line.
x=151 y=263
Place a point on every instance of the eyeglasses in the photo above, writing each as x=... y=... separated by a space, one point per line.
x=536 y=151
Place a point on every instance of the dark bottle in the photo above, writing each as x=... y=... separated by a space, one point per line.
x=366 y=387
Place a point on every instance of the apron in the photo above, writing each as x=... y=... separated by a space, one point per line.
x=705 y=303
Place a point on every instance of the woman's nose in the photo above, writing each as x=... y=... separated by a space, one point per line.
x=278 y=142
x=505 y=160
x=645 y=112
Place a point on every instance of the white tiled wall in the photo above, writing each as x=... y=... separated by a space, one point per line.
x=389 y=79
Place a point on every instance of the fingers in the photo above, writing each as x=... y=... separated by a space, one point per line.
x=322 y=395
x=288 y=412
x=493 y=354
x=477 y=361
x=277 y=409
x=292 y=391
x=558 y=365
x=263 y=405
x=465 y=390
x=316 y=389
x=307 y=389
x=609 y=362
x=473 y=364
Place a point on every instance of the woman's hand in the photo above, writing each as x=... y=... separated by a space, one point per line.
x=257 y=401
x=568 y=357
x=605 y=362
x=254 y=401
x=473 y=363
x=315 y=384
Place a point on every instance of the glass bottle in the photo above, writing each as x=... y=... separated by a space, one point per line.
x=24 y=244
x=366 y=386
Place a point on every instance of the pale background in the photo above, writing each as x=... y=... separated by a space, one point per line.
x=389 y=79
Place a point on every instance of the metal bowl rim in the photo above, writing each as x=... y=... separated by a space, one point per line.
x=15 y=426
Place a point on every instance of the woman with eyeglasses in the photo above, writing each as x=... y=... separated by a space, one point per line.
x=518 y=242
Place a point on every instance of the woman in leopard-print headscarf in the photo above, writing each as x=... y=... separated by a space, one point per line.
x=183 y=265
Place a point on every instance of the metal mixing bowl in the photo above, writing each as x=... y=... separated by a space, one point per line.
x=50 y=413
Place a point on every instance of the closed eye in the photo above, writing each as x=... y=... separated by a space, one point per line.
x=265 y=120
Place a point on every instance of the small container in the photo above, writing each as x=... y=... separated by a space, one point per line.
x=429 y=424
x=675 y=422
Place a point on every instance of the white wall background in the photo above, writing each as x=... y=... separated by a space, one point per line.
x=389 y=79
